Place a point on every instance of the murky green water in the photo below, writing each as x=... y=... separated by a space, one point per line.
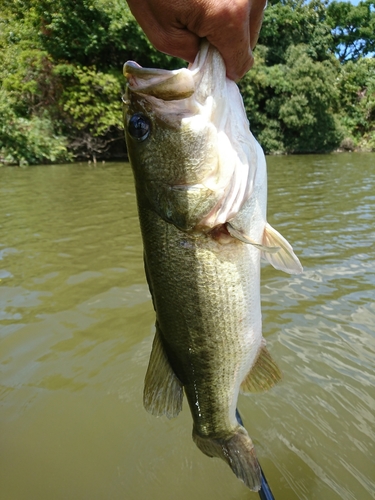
x=76 y=326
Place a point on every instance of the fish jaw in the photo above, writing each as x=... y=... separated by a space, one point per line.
x=160 y=83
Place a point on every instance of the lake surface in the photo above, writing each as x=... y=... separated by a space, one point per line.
x=76 y=325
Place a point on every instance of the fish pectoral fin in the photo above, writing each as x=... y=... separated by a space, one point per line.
x=239 y=235
x=163 y=391
x=237 y=450
x=285 y=259
x=263 y=375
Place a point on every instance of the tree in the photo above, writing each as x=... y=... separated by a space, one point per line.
x=292 y=106
x=25 y=141
x=61 y=62
x=292 y=22
x=27 y=132
x=94 y=32
x=353 y=29
x=61 y=76
x=356 y=85
x=90 y=110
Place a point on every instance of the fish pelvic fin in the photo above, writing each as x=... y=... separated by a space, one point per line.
x=241 y=236
x=285 y=259
x=274 y=248
x=264 y=374
x=163 y=391
x=237 y=450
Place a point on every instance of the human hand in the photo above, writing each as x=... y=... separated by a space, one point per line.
x=176 y=27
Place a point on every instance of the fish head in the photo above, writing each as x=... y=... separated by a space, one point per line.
x=183 y=144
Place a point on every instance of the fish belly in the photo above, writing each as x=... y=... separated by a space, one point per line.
x=207 y=301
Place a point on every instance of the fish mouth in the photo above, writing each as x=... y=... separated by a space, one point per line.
x=160 y=83
x=199 y=78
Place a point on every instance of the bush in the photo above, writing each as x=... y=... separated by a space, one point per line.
x=356 y=85
x=28 y=141
x=292 y=106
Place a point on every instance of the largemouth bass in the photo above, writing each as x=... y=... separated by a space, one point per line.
x=201 y=188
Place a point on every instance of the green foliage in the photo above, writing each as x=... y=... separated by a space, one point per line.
x=61 y=81
x=28 y=141
x=298 y=97
x=73 y=30
x=61 y=61
x=28 y=76
x=95 y=32
x=91 y=107
x=356 y=84
x=294 y=22
x=91 y=100
x=353 y=29
x=297 y=106
x=306 y=96
x=28 y=134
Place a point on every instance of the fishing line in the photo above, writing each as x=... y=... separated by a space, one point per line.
x=265 y=492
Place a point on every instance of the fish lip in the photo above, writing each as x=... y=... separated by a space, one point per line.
x=130 y=70
x=166 y=85
x=131 y=64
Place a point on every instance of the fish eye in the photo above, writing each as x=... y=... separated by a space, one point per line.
x=139 y=127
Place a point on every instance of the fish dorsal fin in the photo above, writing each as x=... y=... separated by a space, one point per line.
x=163 y=393
x=285 y=259
x=264 y=374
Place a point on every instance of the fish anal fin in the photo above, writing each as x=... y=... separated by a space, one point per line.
x=263 y=375
x=237 y=450
x=163 y=391
x=285 y=259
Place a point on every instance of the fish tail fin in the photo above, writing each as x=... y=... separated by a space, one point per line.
x=239 y=453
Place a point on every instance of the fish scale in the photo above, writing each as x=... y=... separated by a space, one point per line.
x=201 y=188
x=217 y=299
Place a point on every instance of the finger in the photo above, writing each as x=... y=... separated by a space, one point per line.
x=256 y=20
x=236 y=52
x=177 y=42
x=161 y=27
x=232 y=39
x=238 y=63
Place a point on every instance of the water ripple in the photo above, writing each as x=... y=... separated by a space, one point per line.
x=76 y=324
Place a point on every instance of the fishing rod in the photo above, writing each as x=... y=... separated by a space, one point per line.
x=265 y=492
